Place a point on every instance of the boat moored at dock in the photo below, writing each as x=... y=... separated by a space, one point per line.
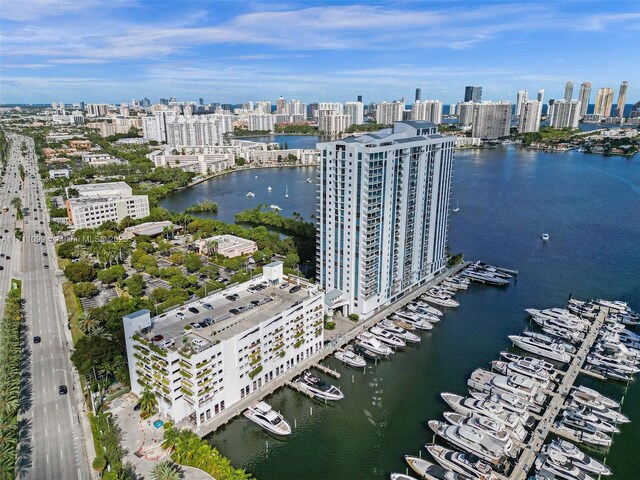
x=262 y=414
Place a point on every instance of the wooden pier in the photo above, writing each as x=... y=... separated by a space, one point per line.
x=545 y=425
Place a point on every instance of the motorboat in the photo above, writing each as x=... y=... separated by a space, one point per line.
x=609 y=373
x=286 y=192
x=440 y=299
x=611 y=345
x=561 y=466
x=537 y=362
x=545 y=237
x=549 y=339
x=609 y=362
x=269 y=189
x=387 y=337
x=582 y=309
x=583 y=432
x=495 y=430
x=497 y=271
x=431 y=471
x=486 y=278
x=265 y=416
x=523 y=368
x=463 y=463
x=471 y=440
x=599 y=410
x=580 y=459
x=554 y=351
x=275 y=207
x=546 y=317
x=593 y=398
x=401 y=324
x=319 y=388
x=420 y=312
x=616 y=306
x=350 y=358
x=584 y=414
x=401 y=476
x=399 y=331
x=411 y=320
x=428 y=308
x=251 y=194
x=370 y=342
x=365 y=352
x=308 y=180
x=490 y=409
x=523 y=387
x=563 y=334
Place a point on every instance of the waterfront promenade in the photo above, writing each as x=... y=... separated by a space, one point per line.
x=528 y=455
x=333 y=345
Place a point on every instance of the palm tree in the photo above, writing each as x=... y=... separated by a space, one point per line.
x=86 y=324
x=166 y=470
x=100 y=332
x=148 y=402
x=171 y=438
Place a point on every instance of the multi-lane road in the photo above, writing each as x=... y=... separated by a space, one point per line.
x=53 y=443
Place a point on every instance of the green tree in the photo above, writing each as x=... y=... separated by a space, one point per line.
x=135 y=285
x=192 y=262
x=112 y=274
x=166 y=470
x=86 y=323
x=159 y=295
x=85 y=289
x=67 y=250
x=99 y=463
x=148 y=402
x=80 y=272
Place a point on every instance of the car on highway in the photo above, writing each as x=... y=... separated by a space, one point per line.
x=194 y=310
x=8 y=257
x=1 y=267
x=232 y=298
x=45 y=254
x=37 y=339
x=46 y=266
x=62 y=390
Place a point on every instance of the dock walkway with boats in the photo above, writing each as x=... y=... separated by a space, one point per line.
x=545 y=426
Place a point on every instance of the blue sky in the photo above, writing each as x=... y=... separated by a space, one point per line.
x=233 y=51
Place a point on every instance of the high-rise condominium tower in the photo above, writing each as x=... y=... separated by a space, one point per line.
x=604 y=101
x=491 y=119
x=583 y=98
x=622 y=99
x=383 y=204
x=521 y=98
x=418 y=94
x=565 y=114
x=472 y=94
x=568 y=91
x=529 y=118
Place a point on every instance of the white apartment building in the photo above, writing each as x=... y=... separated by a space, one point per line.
x=74 y=118
x=387 y=113
x=331 y=123
x=228 y=246
x=154 y=127
x=335 y=107
x=583 y=98
x=565 y=114
x=209 y=129
x=262 y=121
x=202 y=164
x=604 y=102
x=382 y=210
x=521 y=98
x=427 y=110
x=356 y=111
x=96 y=109
x=100 y=202
x=200 y=364
x=491 y=119
x=465 y=113
x=263 y=108
x=59 y=173
x=99 y=159
x=529 y=117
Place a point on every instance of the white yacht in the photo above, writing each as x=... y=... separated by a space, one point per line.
x=495 y=430
x=251 y=194
x=585 y=414
x=275 y=207
x=262 y=414
x=350 y=358
x=487 y=278
x=399 y=331
x=411 y=320
x=554 y=317
x=609 y=362
x=463 y=463
x=419 y=309
x=471 y=440
x=598 y=409
x=580 y=459
x=554 y=351
x=308 y=180
x=617 y=305
x=286 y=192
x=430 y=471
x=511 y=403
x=489 y=409
x=372 y=344
x=268 y=189
x=583 y=432
x=560 y=466
x=522 y=367
x=521 y=386
x=537 y=362
x=440 y=299
x=319 y=388
x=401 y=476
x=545 y=237
x=592 y=398
x=387 y=337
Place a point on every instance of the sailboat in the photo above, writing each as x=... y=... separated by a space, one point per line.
x=457 y=207
x=286 y=192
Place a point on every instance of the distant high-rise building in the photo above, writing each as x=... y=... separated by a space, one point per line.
x=521 y=98
x=491 y=119
x=635 y=110
x=360 y=98
x=583 y=98
x=94 y=109
x=201 y=101
x=540 y=96
x=565 y=114
x=376 y=247
x=429 y=110
x=281 y=104
x=332 y=123
x=164 y=101
x=529 y=118
x=387 y=113
x=472 y=94
x=604 y=102
x=568 y=91
x=622 y=99
x=356 y=111
x=418 y=94
x=261 y=121
x=464 y=111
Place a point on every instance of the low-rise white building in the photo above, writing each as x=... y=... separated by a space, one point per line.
x=59 y=173
x=202 y=164
x=102 y=202
x=200 y=360
x=227 y=245
x=99 y=159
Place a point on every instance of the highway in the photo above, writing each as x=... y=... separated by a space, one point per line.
x=52 y=447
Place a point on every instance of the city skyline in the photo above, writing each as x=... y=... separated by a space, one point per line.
x=112 y=52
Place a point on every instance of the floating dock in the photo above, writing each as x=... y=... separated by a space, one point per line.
x=545 y=425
